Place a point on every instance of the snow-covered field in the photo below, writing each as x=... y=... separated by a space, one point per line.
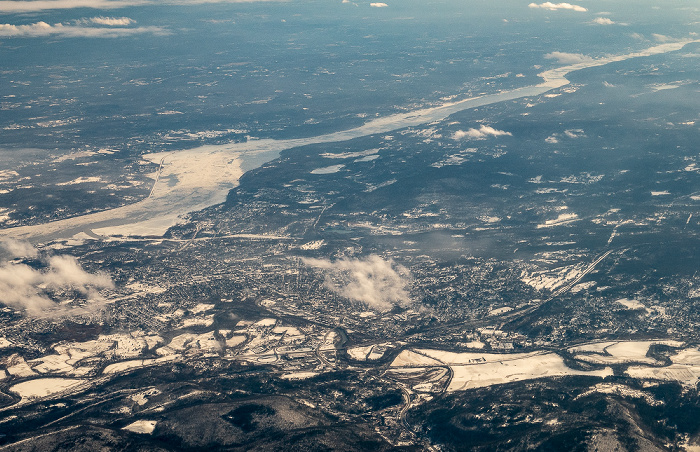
x=453 y=358
x=631 y=304
x=686 y=375
x=125 y=366
x=143 y=426
x=507 y=371
x=409 y=358
x=328 y=169
x=626 y=352
x=298 y=375
x=685 y=368
x=474 y=370
x=359 y=353
x=42 y=387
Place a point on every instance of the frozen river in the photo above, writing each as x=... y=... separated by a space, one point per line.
x=193 y=179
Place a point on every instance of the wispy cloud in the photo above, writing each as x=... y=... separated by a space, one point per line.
x=112 y=21
x=35 y=291
x=378 y=5
x=78 y=29
x=568 y=58
x=556 y=6
x=662 y=38
x=481 y=133
x=379 y=283
x=20 y=6
x=16 y=248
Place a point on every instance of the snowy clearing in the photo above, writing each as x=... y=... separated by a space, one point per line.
x=328 y=169
x=145 y=427
x=43 y=387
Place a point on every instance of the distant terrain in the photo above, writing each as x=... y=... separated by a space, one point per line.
x=348 y=226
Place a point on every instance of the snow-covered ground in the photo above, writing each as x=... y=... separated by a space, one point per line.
x=474 y=370
x=563 y=218
x=621 y=390
x=626 y=352
x=298 y=375
x=507 y=371
x=553 y=279
x=42 y=387
x=143 y=426
x=328 y=169
x=631 y=304
x=359 y=353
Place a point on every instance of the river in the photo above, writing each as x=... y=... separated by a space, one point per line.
x=193 y=179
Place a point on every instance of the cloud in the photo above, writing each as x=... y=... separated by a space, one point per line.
x=112 y=21
x=480 y=133
x=603 y=21
x=41 y=29
x=568 y=58
x=15 y=248
x=22 y=6
x=575 y=133
x=378 y=283
x=41 y=292
x=556 y=6
x=378 y=5
x=662 y=38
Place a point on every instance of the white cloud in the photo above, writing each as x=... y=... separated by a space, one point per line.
x=379 y=283
x=480 y=133
x=378 y=5
x=603 y=21
x=112 y=21
x=15 y=6
x=556 y=6
x=20 y=6
x=15 y=248
x=568 y=58
x=34 y=291
x=575 y=133
x=74 y=31
x=569 y=133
